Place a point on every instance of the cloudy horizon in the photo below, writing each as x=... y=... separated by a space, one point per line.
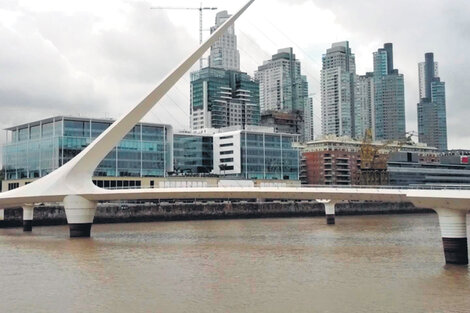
x=99 y=59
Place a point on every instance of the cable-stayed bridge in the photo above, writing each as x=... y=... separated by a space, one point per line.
x=72 y=185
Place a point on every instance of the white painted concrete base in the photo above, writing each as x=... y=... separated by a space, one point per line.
x=453 y=223
x=79 y=210
x=28 y=212
x=330 y=208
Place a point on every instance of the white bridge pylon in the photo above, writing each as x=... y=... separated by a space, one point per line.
x=72 y=183
x=75 y=177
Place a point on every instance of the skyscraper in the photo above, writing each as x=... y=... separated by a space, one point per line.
x=364 y=105
x=389 y=97
x=309 y=129
x=222 y=98
x=224 y=53
x=432 y=120
x=283 y=88
x=337 y=90
x=221 y=95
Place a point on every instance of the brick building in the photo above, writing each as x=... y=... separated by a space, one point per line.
x=337 y=160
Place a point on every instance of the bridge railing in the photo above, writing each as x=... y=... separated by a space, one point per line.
x=381 y=187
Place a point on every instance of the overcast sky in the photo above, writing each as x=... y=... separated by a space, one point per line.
x=97 y=58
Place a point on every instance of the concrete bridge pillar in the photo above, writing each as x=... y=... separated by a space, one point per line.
x=80 y=213
x=329 y=210
x=453 y=225
x=2 y=214
x=28 y=212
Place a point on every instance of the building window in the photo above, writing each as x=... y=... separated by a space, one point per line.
x=230 y=144
x=13 y=186
x=226 y=160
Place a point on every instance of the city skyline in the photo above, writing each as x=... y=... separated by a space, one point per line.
x=97 y=72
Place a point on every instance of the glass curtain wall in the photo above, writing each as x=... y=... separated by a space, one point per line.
x=269 y=156
x=38 y=148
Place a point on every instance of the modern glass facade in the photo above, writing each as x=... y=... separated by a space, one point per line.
x=432 y=119
x=389 y=97
x=269 y=156
x=222 y=98
x=256 y=152
x=193 y=153
x=38 y=148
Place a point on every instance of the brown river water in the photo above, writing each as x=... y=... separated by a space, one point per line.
x=391 y=263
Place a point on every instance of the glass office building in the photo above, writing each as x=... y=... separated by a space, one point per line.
x=276 y=159
x=193 y=153
x=256 y=153
x=36 y=149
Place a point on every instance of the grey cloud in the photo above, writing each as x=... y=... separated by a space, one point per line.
x=58 y=63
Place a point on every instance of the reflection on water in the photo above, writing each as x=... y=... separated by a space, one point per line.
x=362 y=264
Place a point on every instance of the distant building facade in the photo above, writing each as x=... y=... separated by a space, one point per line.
x=337 y=90
x=309 y=121
x=193 y=153
x=337 y=160
x=256 y=152
x=389 y=97
x=448 y=168
x=432 y=120
x=364 y=105
x=151 y=155
x=223 y=98
x=282 y=122
x=35 y=149
x=282 y=87
x=224 y=53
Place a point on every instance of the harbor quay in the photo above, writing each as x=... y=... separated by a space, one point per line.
x=168 y=211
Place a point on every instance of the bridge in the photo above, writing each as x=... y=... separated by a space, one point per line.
x=72 y=185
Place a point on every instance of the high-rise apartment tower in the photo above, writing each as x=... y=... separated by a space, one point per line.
x=389 y=97
x=224 y=53
x=337 y=90
x=432 y=120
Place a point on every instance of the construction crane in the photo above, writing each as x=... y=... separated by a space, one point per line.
x=200 y=9
x=374 y=157
x=409 y=136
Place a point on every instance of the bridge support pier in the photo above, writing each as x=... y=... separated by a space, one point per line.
x=80 y=213
x=330 y=212
x=453 y=225
x=28 y=213
x=2 y=214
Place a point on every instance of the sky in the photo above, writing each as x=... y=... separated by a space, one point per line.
x=98 y=58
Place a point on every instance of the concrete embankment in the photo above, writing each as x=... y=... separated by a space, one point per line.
x=129 y=213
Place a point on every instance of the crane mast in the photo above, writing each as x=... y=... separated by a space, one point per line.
x=200 y=9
